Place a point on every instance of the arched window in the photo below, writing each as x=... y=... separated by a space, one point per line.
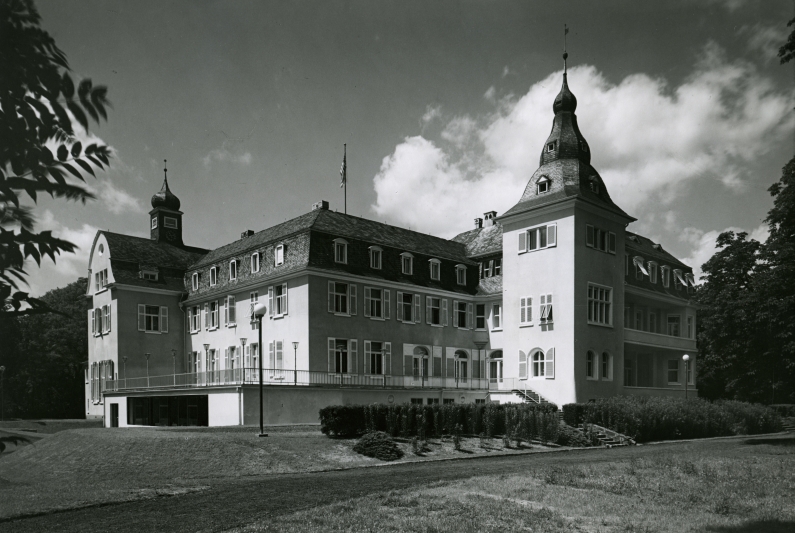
x=496 y=354
x=461 y=366
x=420 y=363
x=542 y=185
x=590 y=365
x=538 y=364
x=495 y=366
x=421 y=351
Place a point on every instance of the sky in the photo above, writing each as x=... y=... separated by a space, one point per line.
x=444 y=107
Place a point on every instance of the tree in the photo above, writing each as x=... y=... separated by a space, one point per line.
x=39 y=148
x=787 y=50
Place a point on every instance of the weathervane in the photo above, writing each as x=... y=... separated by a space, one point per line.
x=165 y=168
x=565 y=54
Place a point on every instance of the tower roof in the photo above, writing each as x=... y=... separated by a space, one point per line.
x=165 y=198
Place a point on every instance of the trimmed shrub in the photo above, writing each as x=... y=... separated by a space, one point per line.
x=651 y=418
x=378 y=445
x=342 y=420
x=569 y=436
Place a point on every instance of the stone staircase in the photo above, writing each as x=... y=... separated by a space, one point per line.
x=606 y=437
x=529 y=396
x=789 y=424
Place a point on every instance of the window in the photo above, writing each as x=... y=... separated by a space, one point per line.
x=277 y=300
x=480 y=316
x=420 y=363
x=590 y=365
x=673 y=371
x=152 y=318
x=652 y=323
x=538 y=364
x=377 y=357
x=341 y=251
x=689 y=370
x=546 y=309
x=607 y=367
x=629 y=372
x=691 y=330
x=679 y=280
x=600 y=305
x=195 y=319
x=408 y=307
x=435 y=269
x=213 y=315
x=674 y=323
x=195 y=281
x=213 y=276
x=460 y=312
x=230 y=314
x=497 y=266
x=551 y=147
x=526 y=311
x=406 y=263
x=341 y=298
x=149 y=275
x=233 y=270
x=253 y=299
x=342 y=356
x=101 y=279
x=640 y=268
x=170 y=222
x=665 y=276
x=461 y=274
x=255 y=262
x=154 y=223
x=375 y=257
x=486 y=268
x=461 y=366
x=652 y=272
x=102 y=317
x=433 y=310
x=496 y=319
x=542 y=185
x=538 y=238
x=276 y=357
x=639 y=319
x=278 y=255
x=376 y=303
x=600 y=239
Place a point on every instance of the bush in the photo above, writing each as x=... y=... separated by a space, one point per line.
x=569 y=436
x=785 y=410
x=660 y=418
x=378 y=445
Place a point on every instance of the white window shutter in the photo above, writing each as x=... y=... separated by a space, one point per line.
x=470 y=318
x=522 y=241
x=141 y=317
x=226 y=358
x=232 y=310
x=549 y=308
x=387 y=304
x=271 y=356
x=93 y=322
x=207 y=316
x=352 y=298
x=589 y=235
x=427 y=309
x=543 y=307
x=522 y=365
x=417 y=308
x=550 y=364
x=445 y=316
x=270 y=301
x=399 y=313
x=330 y=296
x=552 y=235
x=367 y=351
x=279 y=354
x=164 y=319
x=387 y=358
x=366 y=304
x=331 y=354
x=109 y=315
x=284 y=298
x=226 y=312
x=353 y=356
x=522 y=311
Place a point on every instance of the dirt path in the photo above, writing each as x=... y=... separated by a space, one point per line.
x=228 y=504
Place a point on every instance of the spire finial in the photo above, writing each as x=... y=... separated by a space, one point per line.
x=165 y=169
x=565 y=54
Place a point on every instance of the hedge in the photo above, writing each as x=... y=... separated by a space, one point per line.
x=651 y=418
x=518 y=421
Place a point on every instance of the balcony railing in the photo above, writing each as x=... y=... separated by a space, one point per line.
x=250 y=376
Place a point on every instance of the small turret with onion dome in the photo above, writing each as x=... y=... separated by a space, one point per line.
x=165 y=218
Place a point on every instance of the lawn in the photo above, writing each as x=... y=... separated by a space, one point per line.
x=81 y=467
x=748 y=490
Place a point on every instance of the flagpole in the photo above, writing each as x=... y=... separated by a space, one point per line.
x=345 y=158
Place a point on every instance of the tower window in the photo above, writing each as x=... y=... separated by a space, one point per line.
x=154 y=223
x=170 y=222
x=551 y=147
x=543 y=185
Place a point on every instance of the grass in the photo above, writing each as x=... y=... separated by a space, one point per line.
x=82 y=467
x=691 y=490
x=49 y=426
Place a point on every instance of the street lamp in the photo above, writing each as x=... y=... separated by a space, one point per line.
x=124 y=368
x=479 y=344
x=206 y=363
x=686 y=359
x=2 y=395
x=258 y=313
x=174 y=357
x=147 y=369
x=242 y=358
x=295 y=362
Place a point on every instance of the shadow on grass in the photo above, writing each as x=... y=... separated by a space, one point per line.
x=780 y=441
x=15 y=440
x=755 y=526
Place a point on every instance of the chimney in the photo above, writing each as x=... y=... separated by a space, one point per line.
x=478 y=223
x=322 y=204
x=247 y=233
x=489 y=218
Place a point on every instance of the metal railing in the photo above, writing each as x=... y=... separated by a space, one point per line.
x=271 y=376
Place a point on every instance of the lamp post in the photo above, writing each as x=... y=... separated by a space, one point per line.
x=124 y=368
x=206 y=362
x=480 y=344
x=174 y=358
x=242 y=358
x=258 y=313
x=2 y=394
x=686 y=359
x=295 y=362
x=147 y=369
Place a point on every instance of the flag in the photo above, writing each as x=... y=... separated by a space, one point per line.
x=344 y=170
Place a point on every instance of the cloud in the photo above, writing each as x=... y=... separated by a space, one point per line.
x=431 y=113
x=505 y=71
x=115 y=199
x=225 y=155
x=649 y=140
x=702 y=244
x=765 y=39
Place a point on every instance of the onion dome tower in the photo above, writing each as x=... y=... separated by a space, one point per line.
x=165 y=218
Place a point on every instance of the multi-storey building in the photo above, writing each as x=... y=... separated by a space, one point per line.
x=552 y=301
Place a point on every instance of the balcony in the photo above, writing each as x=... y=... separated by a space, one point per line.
x=658 y=340
x=278 y=377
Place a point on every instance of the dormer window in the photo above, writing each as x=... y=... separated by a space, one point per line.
x=255 y=262
x=542 y=185
x=461 y=274
x=170 y=222
x=213 y=276
x=375 y=257
x=341 y=251
x=436 y=267
x=279 y=255
x=154 y=223
x=149 y=275
x=195 y=281
x=666 y=272
x=652 y=272
x=407 y=263
x=233 y=270
x=551 y=147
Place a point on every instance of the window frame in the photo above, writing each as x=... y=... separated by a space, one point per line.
x=665 y=272
x=496 y=317
x=525 y=238
x=233 y=270
x=256 y=260
x=600 y=239
x=376 y=257
x=591 y=365
x=606 y=367
x=213 y=276
x=154 y=222
x=429 y=310
x=678 y=324
x=537 y=364
x=406 y=260
x=668 y=370
x=480 y=317
x=543 y=183
x=653 y=268
x=598 y=306
x=525 y=311
x=341 y=251
x=167 y=219
x=436 y=269
x=461 y=275
x=195 y=281
x=546 y=315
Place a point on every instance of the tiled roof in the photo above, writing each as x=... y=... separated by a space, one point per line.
x=481 y=241
x=127 y=273
x=492 y=285
x=140 y=250
x=643 y=246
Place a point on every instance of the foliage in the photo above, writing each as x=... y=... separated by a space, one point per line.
x=44 y=356
x=656 y=418
x=787 y=51
x=569 y=436
x=406 y=420
x=39 y=149
x=784 y=409
x=378 y=445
